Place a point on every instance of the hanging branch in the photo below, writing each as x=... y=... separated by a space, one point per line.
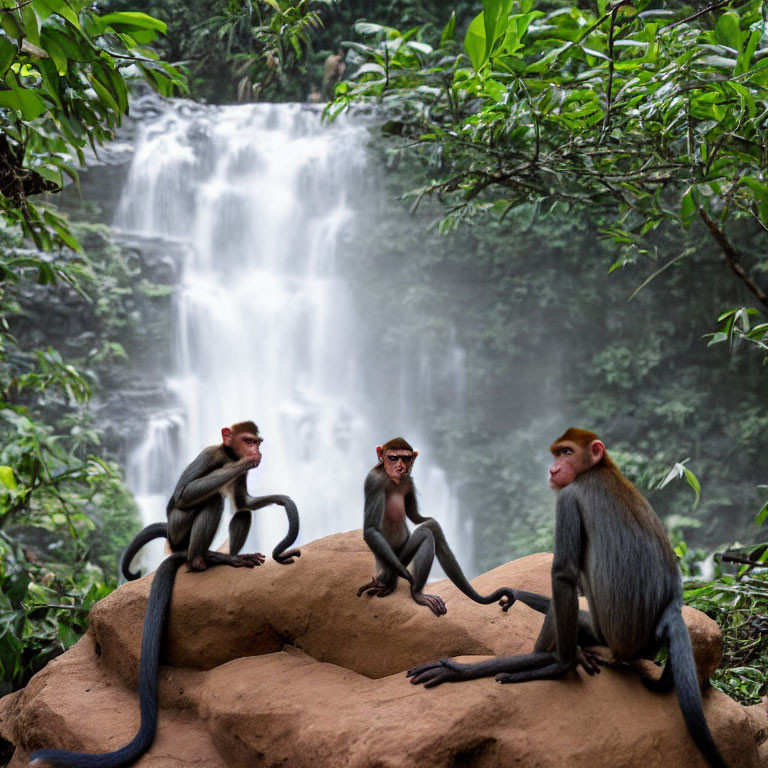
x=609 y=89
x=15 y=7
x=732 y=256
x=708 y=9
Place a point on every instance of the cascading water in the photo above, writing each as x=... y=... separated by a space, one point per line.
x=260 y=197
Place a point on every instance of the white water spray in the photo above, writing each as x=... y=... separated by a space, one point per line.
x=261 y=197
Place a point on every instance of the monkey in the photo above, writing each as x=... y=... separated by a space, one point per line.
x=609 y=542
x=194 y=511
x=390 y=497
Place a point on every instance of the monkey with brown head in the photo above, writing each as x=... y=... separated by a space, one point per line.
x=193 y=512
x=390 y=500
x=610 y=543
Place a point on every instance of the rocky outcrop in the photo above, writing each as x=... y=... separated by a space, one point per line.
x=284 y=665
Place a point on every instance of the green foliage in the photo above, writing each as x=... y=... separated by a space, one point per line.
x=739 y=604
x=737 y=324
x=64 y=512
x=651 y=117
x=263 y=41
x=63 y=86
x=42 y=613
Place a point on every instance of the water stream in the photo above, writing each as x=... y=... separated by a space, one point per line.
x=262 y=198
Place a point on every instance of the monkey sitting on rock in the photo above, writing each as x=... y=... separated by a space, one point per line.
x=609 y=542
x=390 y=498
x=194 y=512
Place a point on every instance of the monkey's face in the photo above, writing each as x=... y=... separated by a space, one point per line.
x=571 y=459
x=397 y=463
x=247 y=445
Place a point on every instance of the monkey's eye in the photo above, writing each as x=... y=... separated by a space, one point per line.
x=394 y=459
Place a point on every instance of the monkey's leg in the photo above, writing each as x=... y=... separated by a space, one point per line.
x=202 y=532
x=547 y=642
x=420 y=548
x=238 y=533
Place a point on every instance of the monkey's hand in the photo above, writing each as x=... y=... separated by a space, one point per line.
x=286 y=558
x=254 y=558
x=435 y=603
x=247 y=463
x=436 y=672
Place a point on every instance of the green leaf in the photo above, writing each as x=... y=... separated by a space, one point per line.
x=727 y=30
x=681 y=471
x=745 y=57
x=31 y=24
x=7 y=55
x=132 y=19
x=23 y=100
x=495 y=20
x=449 y=32
x=61 y=8
x=54 y=51
x=760 y=190
x=474 y=42
x=687 y=206
x=7 y=478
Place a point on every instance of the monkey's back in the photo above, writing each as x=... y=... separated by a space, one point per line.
x=629 y=573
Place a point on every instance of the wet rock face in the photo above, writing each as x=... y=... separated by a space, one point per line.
x=284 y=665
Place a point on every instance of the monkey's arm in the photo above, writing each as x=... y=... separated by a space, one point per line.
x=565 y=600
x=205 y=476
x=540 y=665
x=373 y=516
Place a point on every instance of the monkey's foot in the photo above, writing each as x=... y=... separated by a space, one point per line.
x=591 y=658
x=198 y=563
x=435 y=672
x=435 y=603
x=375 y=587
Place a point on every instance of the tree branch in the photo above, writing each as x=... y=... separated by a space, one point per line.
x=708 y=9
x=15 y=7
x=732 y=256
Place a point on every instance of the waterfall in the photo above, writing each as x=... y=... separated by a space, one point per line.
x=261 y=199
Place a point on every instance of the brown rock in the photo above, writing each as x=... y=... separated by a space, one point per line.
x=284 y=665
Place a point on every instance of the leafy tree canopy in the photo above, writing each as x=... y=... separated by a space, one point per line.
x=63 y=72
x=651 y=114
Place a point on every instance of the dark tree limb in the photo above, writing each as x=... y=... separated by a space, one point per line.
x=15 y=7
x=708 y=9
x=733 y=257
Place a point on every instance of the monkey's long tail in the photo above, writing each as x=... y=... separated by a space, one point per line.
x=672 y=629
x=154 y=531
x=292 y=513
x=154 y=624
x=453 y=571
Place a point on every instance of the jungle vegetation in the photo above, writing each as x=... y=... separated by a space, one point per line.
x=628 y=137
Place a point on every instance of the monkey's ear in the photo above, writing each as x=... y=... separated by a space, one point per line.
x=380 y=452
x=226 y=435
x=597 y=450
x=415 y=454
